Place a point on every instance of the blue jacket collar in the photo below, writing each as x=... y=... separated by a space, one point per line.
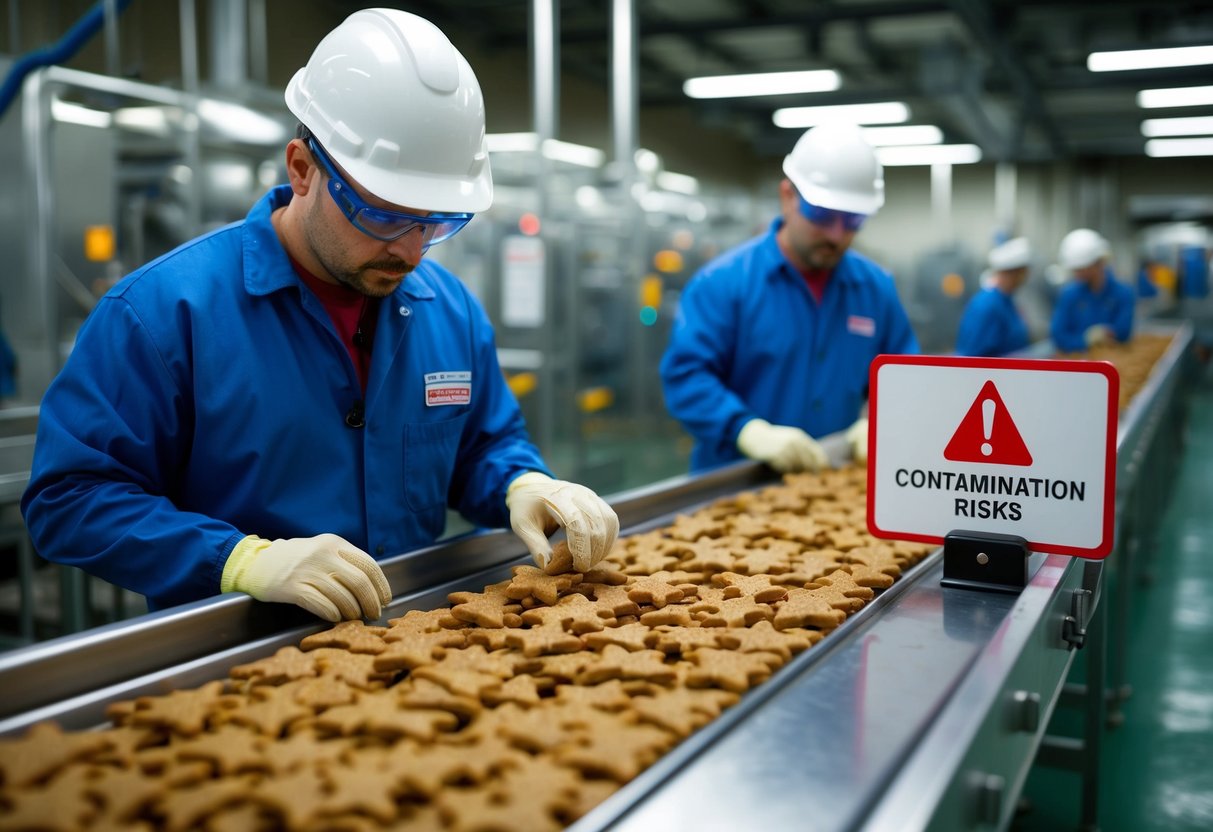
x=775 y=264
x=267 y=268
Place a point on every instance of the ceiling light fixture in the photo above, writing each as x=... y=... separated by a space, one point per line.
x=1192 y=126
x=1175 y=97
x=933 y=154
x=884 y=112
x=1180 y=147
x=906 y=134
x=762 y=83
x=1131 y=59
x=573 y=154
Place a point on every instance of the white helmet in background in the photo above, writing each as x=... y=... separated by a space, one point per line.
x=833 y=166
x=1013 y=254
x=1081 y=248
x=395 y=104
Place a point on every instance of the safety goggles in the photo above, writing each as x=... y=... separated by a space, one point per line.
x=382 y=224
x=826 y=217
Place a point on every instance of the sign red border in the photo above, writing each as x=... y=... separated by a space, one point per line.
x=1050 y=364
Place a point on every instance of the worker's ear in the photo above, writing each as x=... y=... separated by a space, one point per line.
x=300 y=167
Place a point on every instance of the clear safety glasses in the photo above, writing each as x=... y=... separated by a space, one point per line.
x=828 y=216
x=382 y=224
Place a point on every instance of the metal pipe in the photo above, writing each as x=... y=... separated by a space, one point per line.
x=625 y=97
x=189 y=45
x=112 y=63
x=229 y=43
x=1006 y=182
x=545 y=93
x=258 y=43
x=941 y=199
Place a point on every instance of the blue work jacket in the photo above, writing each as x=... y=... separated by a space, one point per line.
x=207 y=399
x=750 y=340
x=1078 y=309
x=991 y=325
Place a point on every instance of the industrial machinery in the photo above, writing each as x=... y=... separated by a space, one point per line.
x=925 y=710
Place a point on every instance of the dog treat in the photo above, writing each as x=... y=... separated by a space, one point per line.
x=521 y=706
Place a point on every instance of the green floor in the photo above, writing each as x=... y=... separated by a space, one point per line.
x=1157 y=767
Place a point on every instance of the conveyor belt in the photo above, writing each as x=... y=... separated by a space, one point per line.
x=924 y=710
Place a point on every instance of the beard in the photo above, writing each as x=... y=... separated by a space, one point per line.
x=364 y=280
x=823 y=255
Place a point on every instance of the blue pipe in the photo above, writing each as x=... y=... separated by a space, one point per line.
x=57 y=53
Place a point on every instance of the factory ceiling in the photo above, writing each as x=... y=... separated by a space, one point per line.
x=1010 y=77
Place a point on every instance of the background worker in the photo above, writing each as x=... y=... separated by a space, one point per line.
x=773 y=339
x=271 y=406
x=1094 y=308
x=991 y=324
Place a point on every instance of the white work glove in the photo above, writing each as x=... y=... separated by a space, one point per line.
x=783 y=448
x=1096 y=335
x=857 y=438
x=326 y=575
x=539 y=505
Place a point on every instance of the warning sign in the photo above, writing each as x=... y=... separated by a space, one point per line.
x=1012 y=446
x=988 y=433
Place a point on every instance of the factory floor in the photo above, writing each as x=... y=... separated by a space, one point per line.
x=1155 y=774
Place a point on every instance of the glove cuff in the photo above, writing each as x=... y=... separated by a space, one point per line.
x=749 y=432
x=244 y=553
x=522 y=480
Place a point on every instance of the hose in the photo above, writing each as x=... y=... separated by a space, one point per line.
x=56 y=53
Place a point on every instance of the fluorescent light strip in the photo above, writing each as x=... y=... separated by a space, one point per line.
x=1175 y=97
x=762 y=83
x=1180 y=147
x=511 y=142
x=908 y=134
x=678 y=182
x=573 y=154
x=1193 y=126
x=885 y=112
x=1149 y=58
x=71 y=113
x=937 y=154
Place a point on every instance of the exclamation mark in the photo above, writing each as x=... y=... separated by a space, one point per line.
x=987 y=425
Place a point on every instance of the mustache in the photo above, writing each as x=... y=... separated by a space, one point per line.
x=393 y=266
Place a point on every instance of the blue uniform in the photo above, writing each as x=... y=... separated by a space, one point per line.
x=751 y=341
x=991 y=325
x=206 y=400
x=1078 y=309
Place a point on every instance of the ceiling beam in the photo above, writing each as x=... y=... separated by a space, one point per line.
x=976 y=16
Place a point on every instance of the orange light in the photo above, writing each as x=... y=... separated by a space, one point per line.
x=528 y=224
x=683 y=239
x=650 y=291
x=952 y=285
x=668 y=261
x=99 y=243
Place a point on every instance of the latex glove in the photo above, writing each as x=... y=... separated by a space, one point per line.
x=1096 y=335
x=326 y=575
x=539 y=505
x=857 y=438
x=783 y=448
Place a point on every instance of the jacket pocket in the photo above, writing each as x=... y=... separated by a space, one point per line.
x=429 y=461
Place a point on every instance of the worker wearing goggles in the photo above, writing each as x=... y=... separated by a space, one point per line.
x=771 y=346
x=274 y=406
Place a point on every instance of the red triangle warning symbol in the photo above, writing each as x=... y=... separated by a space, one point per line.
x=988 y=434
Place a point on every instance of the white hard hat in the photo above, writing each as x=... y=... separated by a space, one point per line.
x=1081 y=248
x=395 y=104
x=833 y=166
x=1013 y=254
